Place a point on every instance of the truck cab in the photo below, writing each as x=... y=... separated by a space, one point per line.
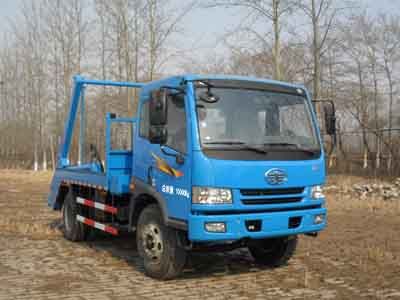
x=216 y=161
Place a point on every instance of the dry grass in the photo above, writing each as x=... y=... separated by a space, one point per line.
x=360 y=246
x=25 y=175
x=350 y=180
x=22 y=204
x=338 y=201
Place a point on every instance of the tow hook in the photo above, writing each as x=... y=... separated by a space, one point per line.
x=312 y=234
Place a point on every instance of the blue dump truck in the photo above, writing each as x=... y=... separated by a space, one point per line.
x=216 y=162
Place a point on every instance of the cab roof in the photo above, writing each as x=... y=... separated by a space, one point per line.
x=230 y=80
x=195 y=77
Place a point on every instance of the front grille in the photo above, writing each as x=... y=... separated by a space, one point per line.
x=271 y=192
x=271 y=201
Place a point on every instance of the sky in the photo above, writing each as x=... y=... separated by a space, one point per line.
x=209 y=25
x=204 y=28
x=206 y=23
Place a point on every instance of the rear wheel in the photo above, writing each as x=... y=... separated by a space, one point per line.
x=274 y=252
x=72 y=229
x=158 y=245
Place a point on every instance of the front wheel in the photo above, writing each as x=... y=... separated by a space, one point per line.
x=158 y=245
x=274 y=252
x=72 y=229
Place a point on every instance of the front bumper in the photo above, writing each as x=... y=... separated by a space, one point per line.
x=272 y=224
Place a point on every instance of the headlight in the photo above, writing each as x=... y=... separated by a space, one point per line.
x=316 y=192
x=208 y=195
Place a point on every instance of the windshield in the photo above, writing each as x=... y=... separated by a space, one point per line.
x=254 y=118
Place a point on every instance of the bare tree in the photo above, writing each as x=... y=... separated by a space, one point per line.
x=390 y=43
x=322 y=15
x=271 y=10
x=162 y=21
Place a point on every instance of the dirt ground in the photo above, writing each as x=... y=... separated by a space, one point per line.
x=357 y=257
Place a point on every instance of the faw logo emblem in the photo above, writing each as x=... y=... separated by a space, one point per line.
x=276 y=176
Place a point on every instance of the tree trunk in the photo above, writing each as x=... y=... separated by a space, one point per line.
x=52 y=152
x=390 y=113
x=277 y=46
x=316 y=52
x=44 y=160
x=35 y=158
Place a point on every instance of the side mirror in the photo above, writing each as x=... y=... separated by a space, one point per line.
x=330 y=118
x=326 y=113
x=158 y=134
x=158 y=108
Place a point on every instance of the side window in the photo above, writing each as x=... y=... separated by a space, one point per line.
x=144 y=121
x=176 y=126
x=121 y=136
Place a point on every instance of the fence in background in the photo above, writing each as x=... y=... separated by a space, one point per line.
x=369 y=152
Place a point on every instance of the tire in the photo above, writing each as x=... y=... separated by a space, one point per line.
x=158 y=245
x=274 y=252
x=72 y=229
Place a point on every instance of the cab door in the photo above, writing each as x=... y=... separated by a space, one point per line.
x=172 y=160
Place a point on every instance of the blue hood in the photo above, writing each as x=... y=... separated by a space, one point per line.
x=251 y=174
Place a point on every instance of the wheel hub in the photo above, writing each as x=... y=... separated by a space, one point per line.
x=152 y=242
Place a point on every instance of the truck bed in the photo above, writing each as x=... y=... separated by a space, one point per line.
x=81 y=176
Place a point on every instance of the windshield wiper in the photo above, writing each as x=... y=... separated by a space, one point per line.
x=242 y=145
x=297 y=147
x=224 y=143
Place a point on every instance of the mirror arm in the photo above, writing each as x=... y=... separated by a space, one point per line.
x=182 y=90
x=165 y=152
x=178 y=156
